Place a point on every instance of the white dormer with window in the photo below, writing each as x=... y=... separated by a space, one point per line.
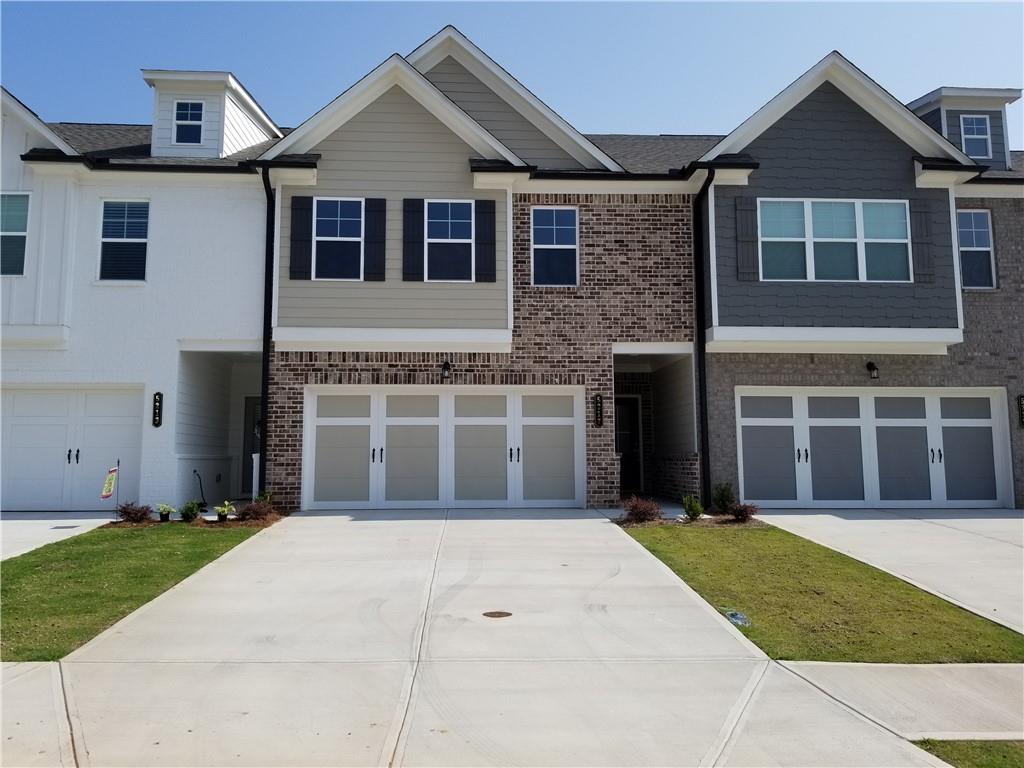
x=205 y=114
x=973 y=119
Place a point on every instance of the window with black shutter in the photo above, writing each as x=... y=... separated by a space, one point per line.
x=123 y=240
x=449 y=241
x=338 y=239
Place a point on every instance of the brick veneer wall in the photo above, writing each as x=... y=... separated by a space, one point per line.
x=636 y=284
x=991 y=355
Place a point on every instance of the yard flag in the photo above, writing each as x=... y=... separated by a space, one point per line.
x=109 y=484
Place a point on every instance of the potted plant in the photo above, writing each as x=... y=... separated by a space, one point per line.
x=189 y=511
x=165 y=510
x=225 y=509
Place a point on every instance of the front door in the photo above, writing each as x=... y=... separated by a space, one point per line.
x=629 y=445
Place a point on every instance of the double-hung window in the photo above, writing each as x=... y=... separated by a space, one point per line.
x=338 y=238
x=448 y=246
x=188 y=122
x=834 y=240
x=13 y=232
x=555 y=246
x=123 y=240
x=977 y=263
x=976 y=136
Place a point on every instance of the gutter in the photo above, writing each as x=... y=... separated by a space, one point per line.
x=700 y=333
x=268 y=299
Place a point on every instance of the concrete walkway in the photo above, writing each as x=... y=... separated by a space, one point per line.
x=21 y=532
x=363 y=640
x=971 y=557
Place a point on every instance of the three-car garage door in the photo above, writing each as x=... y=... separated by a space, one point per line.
x=59 y=443
x=895 y=447
x=428 y=447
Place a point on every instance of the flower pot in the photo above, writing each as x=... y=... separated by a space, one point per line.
x=165 y=517
x=222 y=517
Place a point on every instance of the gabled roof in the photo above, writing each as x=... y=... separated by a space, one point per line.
x=392 y=71
x=11 y=102
x=861 y=89
x=451 y=42
x=650 y=153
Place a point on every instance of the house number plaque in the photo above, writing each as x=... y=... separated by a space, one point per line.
x=158 y=408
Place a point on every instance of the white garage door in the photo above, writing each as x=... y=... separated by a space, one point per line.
x=879 y=447
x=59 y=443
x=429 y=447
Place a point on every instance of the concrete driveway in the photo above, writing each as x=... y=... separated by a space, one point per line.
x=364 y=640
x=21 y=532
x=971 y=557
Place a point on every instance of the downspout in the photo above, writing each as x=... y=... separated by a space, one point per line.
x=268 y=328
x=700 y=333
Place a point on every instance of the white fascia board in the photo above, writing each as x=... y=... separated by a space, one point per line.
x=293 y=338
x=34 y=336
x=836 y=341
x=951 y=96
x=11 y=104
x=220 y=345
x=520 y=183
x=935 y=179
x=652 y=348
x=450 y=42
x=1004 y=191
x=393 y=71
x=864 y=91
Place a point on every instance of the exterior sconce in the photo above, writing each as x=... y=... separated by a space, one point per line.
x=872 y=370
x=446 y=371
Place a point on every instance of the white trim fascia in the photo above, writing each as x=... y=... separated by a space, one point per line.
x=520 y=183
x=10 y=102
x=652 y=347
x=1006 y=191
x=934 y=179
x=294 y=338
x=220 y=345
x=230 y=82
x=954 y=230
x=839 y=341
x=712 y=255
x=393 y=71
x=1001 y=95
x=35 y=336
x=451 y=42
x=864 y=91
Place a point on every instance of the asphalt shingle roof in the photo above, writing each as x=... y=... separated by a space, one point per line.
x=644 y=153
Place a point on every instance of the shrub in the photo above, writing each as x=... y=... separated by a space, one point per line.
x=225 y=509
x=692 y=507
x=743 y=512
x=131 y=512
x=257 y=510
x=722 y=498
x=641 y=510
x=190 y=510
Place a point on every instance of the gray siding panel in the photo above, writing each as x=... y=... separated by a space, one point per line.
x=827 y=146
x=498 y=117
x=933 y=120
x=393 y=149
x=995 y=122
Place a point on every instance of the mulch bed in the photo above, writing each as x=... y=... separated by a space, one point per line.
x=712 y=521
x=200 y=523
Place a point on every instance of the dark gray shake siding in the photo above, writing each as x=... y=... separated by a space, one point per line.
x=829 y=147
x=995 y=124
x=933 y=120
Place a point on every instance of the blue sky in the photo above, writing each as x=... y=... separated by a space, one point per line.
x=606 y=67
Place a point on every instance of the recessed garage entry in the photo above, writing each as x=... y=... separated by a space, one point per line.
x=888 y=447
x=413 y=446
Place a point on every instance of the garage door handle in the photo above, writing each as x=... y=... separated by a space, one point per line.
x=933 y=454
x=69 y=455
x=373 y=456
x=807 y=456
x=382 y=454
x=940 y=455
x=510 y=455
x=517 y=455
x=77 y=451
x=797 y=455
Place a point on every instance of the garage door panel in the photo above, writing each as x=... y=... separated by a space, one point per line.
x=769 y=470
x=837 y=469
x=39 y=403
x=413 y=461
x=549 y=463
x=904 y=473
x=342 y=467
x=969 y=463
x=481 y=462
x=118 y=405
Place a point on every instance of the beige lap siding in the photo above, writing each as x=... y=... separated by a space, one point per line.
x=636 y=285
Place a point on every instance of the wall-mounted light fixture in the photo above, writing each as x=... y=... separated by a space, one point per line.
x=446 y=370
x=872 y=369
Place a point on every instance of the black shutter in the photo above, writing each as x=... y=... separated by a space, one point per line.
x=486 y=245
x=921 y=238
x=746 y=239
x=374 y=224
x=300 y=263
x=412 y=239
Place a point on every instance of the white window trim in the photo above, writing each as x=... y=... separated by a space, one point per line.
x=808 y=240
x=427 y=240
x=361 y=240
x=177 y=122
x=991 y=250
x=28 y=225
x=99 y=255
x=987 y=137
x=534 y=246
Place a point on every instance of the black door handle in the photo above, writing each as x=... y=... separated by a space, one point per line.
x=797 y=455
x=77 y=451
x=933 y=454
x=807 y=456
x=382 y=454
x=510 y=455
x=940 y=455
x=69 y=455
x=373 y=456
x=517 y=455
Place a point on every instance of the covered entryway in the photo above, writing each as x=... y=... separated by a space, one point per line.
x=889 y=447
x=422 y=446
x=58 y=444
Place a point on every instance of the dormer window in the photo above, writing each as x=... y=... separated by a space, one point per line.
x=188 y=122
x=976 y=136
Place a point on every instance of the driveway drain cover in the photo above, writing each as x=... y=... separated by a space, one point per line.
x=497 y=614
x=737 y=618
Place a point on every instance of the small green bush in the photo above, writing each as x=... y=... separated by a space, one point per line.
x=641 y=510
x=722 y=498
x=692 y=507
x=190 y=510
x=130 y=512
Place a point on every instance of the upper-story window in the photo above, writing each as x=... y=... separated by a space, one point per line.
x=123 y=240
x=188 y=122
x=338 y=239
x=834 y=240
x=448 y=250
x=976 y=136
x=554 y=246
x=977 y=259
x=13 y=232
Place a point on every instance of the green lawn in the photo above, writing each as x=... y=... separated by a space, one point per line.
x=977 y=754
x=57 y=597
x=807 y=602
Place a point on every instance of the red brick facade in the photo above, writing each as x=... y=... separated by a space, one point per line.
x=635 y=285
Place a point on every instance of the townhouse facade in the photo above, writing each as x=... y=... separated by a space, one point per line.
x=435 y=292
